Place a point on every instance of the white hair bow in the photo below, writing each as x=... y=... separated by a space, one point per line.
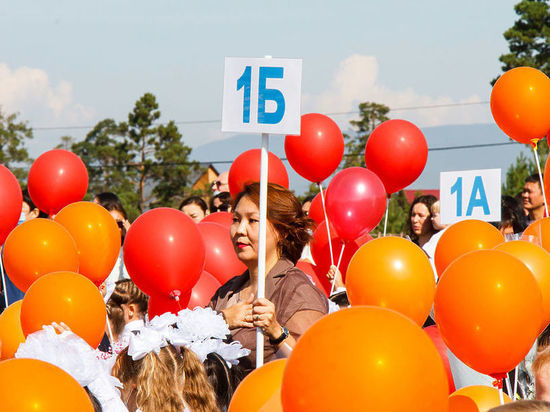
x=147 y=340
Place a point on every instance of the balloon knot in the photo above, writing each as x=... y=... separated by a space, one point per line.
x=534 y=143
x=176 y=295
x=498 y=383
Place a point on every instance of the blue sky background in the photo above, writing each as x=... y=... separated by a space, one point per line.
x=73 y=63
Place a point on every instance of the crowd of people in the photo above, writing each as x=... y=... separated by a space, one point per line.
x=194 y=360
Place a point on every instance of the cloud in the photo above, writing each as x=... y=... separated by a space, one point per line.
x=356 y=81
x=29 y=92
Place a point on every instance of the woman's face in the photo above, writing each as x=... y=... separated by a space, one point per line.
x=245 y=232
x=420 y=220
x=194 y=212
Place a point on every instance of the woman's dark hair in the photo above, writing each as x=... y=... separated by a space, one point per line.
x=94 y=400
x=27 y=199
x=110 y=201
x=285 y=213
x=308 y=199
x=428 y=201
x=194 y=200
x=223 y=379
x=512 y=214
x=224 y=198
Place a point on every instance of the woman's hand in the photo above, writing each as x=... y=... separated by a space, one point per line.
x=240 y=314
x=263 y=313
x=336 y=275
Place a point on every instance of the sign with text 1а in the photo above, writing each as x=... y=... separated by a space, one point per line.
x=262 y=95
x=470 y=194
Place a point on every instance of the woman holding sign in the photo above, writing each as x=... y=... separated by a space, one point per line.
x=292 y=302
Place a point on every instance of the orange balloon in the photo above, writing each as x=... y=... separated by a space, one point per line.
x=11 y=334
x=488 y=307
x=538 y=261
x=258 y=387
x=463 y=237
x=393 y=273
x=65 y=297
x=31 y=385
x=546 y=179
x=519 y=104
x=364 y=358
x=460 y=403
x=96 y=235
x=37 y=247
x=484 y=397
x=538 y=233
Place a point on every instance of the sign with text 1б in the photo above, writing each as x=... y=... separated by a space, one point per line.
x=470 y=194
x=262 y=95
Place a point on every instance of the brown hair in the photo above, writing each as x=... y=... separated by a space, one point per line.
x=126 y=292
x=531 y=405
x=541 y=360
x=284 y=212
x=197 y=390
x=158 y=379
x=167 y=381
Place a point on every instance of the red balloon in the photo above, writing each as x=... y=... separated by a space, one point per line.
x=159 y=304
x=320 y=251
x=202 y=292
x=316 y=153
x=56 y=179
x=164 y=252
x=221 y=261
x=222 y=218
x=316 y=209
x=397 y=152
x=356 y=202
x=437 y=340
x=245 y=169
x=311 y=270
x=12 y=200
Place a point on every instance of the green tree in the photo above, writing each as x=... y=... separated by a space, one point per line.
x=13 y=153
x=370 y=115
x=523 y=167
x=529 y=38
x=146 y=164
x=398 y=212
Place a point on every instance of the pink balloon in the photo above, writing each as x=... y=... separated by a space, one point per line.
x=220 y=261
x=202 y=292
x=12 y=200
x=356 y=202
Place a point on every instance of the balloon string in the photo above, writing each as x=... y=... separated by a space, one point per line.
x=326 y=222
x=534 y=146
x=178 y=301
x=109 y=331
x=4 y=283
x=501 y=396
x=515 y=382
x=508 y=385
x=337 y=268
x=387 y=211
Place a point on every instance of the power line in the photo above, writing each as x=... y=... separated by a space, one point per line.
x=214 y=121
x=214 y=162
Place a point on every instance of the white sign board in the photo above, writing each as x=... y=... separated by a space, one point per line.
x=470 y=194
x=262 y=95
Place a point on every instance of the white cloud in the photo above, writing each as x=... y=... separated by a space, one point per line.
x=29 y=92
x=356 y=81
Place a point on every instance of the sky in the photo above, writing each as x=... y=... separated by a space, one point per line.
x=65 y=65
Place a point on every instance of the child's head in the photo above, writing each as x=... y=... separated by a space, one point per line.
x=127 y=303
x=171 y=380
x=436 y=219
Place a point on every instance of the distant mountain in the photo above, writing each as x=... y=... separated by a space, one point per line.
x=440 y=158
